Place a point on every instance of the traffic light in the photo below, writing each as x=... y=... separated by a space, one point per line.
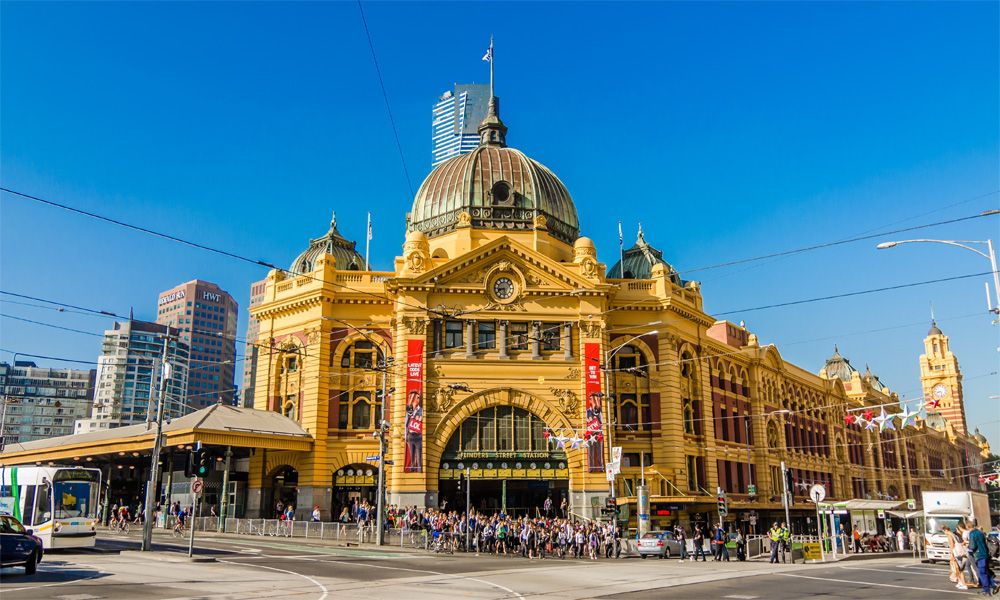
x=790 y=486
x=723 y=503
x=189 y=464
x=203 y=463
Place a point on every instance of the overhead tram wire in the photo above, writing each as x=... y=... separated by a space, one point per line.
x=207 y=248
x=834 y=243
x=385 y=97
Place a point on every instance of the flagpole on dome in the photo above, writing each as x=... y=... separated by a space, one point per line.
x=488 y=57
x=368 y=239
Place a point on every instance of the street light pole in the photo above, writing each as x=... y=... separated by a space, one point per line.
x=154 y=475
x=989 y=255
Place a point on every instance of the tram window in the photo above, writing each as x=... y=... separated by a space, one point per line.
x=43 y=502
x=29 y=503
x=487 y=335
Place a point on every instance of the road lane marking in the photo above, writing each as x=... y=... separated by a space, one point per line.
x=326 y=592
x=44 y=585
x=856 y=582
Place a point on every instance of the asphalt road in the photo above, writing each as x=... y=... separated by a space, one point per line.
x=281 y=568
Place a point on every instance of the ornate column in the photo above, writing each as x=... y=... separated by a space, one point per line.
x=502 y=341
x=470 y=348
x=536 y=342
x=437 y=324
x=567 y=341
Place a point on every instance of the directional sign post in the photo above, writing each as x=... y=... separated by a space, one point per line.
x=371 y=458
x=197 y=487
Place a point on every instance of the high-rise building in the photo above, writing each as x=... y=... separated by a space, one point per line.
x=941 y=379
x=455 y=121
x=129 y=372
x=252 y=349
x=43 y=402
x=205 y=315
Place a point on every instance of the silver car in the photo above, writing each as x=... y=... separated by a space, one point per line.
x=659 y=543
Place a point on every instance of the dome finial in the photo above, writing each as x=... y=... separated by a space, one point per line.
x=492 y=131
x=641 y=238
x=333 y=220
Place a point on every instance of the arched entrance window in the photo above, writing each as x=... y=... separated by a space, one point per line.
x=359 y=405
x=511 y=464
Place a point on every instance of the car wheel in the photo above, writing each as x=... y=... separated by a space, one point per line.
x=643 y=556
x=31 y=565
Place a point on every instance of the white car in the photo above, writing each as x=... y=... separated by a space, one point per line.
x=659 y=543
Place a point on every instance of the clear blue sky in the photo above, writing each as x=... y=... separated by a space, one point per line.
x=729 y=130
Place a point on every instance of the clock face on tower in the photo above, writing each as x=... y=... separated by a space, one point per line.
x=503 y=288
x=939 y=391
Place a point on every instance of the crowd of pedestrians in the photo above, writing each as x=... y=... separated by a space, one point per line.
x=971 y=556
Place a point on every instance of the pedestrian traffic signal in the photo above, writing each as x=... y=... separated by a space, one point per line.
x=723 y=503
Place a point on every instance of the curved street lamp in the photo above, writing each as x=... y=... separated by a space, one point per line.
x=989 y=255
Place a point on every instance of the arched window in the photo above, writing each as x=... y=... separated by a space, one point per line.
x=289 y=409
x=359 y=405
x=632 y=408
x=499 y=429
x=688 y=410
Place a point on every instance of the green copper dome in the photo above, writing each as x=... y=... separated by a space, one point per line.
x=499 y=187
x=639 y=261
x=345 y=256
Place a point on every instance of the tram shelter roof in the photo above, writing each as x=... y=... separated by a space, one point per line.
x=217 y=425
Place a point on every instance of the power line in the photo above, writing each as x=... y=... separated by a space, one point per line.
x=385 y=96
x=857 y=293
x=829 y=244
x=51 y=325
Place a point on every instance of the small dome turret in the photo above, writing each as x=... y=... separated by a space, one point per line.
x=639 y=261
x=838 y=366
x=345 y=257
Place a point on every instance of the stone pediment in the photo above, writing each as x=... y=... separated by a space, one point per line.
x=471 y=270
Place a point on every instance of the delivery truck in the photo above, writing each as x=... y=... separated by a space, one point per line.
x=948 y=509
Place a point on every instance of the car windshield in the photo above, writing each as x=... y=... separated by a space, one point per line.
x=650 y=536
x=10 y=525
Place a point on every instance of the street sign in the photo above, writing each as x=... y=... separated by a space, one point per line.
x=371 y=458
x=616 y=466
x=911 y=504
x=197 y=486
x=817 y=492
x=812 y=551
x=610 y=472
x=388 y=462
x=616 y=454
x=881 y=514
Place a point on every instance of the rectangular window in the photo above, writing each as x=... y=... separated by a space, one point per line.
x=692 y=474
x=551 y=338
x=487 y=431
x=505 y=431
x=487 y=335
x=518 y=335
x=522 y=431
x=453 y=334
x=345 y=411
x=469 y=441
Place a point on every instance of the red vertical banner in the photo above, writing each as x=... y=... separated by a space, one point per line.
x=595 y=404
x=414 y=462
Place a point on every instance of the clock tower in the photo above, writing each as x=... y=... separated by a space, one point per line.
x=941 y=379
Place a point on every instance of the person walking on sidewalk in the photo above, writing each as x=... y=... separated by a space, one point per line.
x=699 y=544
x=775 y=536
x=980 y=551
x=679 y=536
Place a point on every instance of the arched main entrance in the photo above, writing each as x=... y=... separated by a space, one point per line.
x=509 y=461
x=284 y=489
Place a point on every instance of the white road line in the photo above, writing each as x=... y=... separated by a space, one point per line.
x=856 y=582
x=326 y=592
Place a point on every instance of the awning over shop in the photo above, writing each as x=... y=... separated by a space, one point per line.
x=913 y=514
x=217 y=425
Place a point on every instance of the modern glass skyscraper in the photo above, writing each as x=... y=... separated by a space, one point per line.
x=455 y=121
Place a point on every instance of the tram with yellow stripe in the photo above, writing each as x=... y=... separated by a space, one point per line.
x=58 y=503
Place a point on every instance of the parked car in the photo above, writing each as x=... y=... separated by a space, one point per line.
x=18 y=546
x=659 y=543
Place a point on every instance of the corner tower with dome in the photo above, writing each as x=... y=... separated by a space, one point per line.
x=501 y=347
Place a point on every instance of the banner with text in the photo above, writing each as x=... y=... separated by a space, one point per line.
x=414 y=430
x=595 y=401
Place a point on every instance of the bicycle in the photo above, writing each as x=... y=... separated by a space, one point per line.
x=178 y=530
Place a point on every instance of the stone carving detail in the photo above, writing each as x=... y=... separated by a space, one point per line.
x=574 y=373
x=503 y=266
x=591 y=329
x=541 y=222
x=464 y=219
x=515 y=306
x=416 y=262
x=443 y=399
x=588 y=267
x=415 y=325
x=568 y=400
x=474 y=277
x=532 y=279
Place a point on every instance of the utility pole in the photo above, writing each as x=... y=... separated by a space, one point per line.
x=380 y=431
x=468 y=499
x=154 y=468
x=224 y=502
x=784 y=494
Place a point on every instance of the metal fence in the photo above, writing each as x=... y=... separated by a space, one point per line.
x=348 y=533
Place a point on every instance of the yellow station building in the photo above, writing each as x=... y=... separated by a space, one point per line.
x=497 y=313
x=507 y=352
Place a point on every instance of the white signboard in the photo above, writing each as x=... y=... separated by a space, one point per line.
x=610 y=472
x=616 y=454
